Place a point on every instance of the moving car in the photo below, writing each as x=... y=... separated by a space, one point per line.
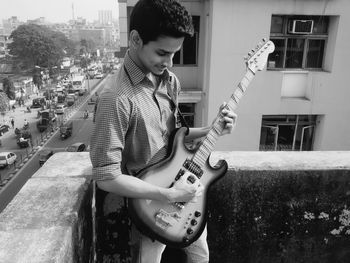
x=44 y=156
x=76 y=147
x=60 y=108
x=7 y=158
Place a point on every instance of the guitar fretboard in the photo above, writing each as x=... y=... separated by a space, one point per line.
x=208 y=143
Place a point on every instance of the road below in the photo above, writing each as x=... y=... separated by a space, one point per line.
x=81 y=133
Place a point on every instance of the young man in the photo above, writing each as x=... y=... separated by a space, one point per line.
x=136 y=115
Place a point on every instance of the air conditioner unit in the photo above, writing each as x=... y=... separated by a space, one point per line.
x=300 y=26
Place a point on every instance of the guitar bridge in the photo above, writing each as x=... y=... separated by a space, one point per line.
x=164 y=219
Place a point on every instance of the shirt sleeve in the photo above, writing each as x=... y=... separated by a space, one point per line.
x=108 y=136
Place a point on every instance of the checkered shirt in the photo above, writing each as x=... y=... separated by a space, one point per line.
x=133 y=122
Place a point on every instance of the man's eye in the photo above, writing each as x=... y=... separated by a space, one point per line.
x=161 y=54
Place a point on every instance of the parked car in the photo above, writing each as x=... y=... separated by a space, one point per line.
x=4 y=128
x=81 y=92
x=99 y=76
x=7 y=158
x=44 y=156
x=38 y=102
x=76 y=147
x=60 y=108
x=70 y=99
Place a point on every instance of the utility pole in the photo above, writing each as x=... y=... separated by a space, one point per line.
x=73 y=11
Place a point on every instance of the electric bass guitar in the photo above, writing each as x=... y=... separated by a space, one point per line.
x=180 y=224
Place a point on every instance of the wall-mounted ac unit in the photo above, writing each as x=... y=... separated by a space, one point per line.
x=300 y=26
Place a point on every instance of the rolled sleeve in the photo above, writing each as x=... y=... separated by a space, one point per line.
x=108 y=136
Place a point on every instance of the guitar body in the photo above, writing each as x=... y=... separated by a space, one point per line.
x=174 y=224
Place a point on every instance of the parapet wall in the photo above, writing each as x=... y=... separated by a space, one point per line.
x=281 y=207
x=270 y=207
x=49 y=220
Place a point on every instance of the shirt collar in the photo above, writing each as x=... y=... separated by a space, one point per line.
x=136 y=74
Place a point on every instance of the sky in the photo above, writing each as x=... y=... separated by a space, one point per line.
x=56 y=10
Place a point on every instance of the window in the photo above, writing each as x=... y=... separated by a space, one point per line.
x=300 y=42
x=188 y=53
x=287 y=132
x=187 y=111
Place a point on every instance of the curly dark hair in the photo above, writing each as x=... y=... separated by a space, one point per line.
x=154 y=18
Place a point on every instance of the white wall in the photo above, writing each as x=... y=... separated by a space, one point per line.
x=236 y=27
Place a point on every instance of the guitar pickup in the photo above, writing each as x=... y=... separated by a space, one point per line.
x=179 y=174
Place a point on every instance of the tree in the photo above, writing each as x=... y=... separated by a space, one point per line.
x=35 y=45
x=84 y=62
x=4 y=102
x=87 y=46
x=37 y=79
x=9 y=88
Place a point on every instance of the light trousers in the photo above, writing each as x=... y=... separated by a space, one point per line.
x=145 y=250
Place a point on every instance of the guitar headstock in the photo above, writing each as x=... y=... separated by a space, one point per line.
x=257 y=58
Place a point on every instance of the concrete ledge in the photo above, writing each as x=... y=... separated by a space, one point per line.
x=270 y=207
x=293 y=161
x=49 y=220
x=281 y=207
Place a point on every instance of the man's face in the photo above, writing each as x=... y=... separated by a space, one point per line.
x=157 y=55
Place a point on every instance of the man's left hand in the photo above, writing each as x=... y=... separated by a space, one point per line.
x=229 y=118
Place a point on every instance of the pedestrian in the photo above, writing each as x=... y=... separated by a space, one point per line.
x=136 y=115
x=12 y=123
x=13 y=107
x=26 y=124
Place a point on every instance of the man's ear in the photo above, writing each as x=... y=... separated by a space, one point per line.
x=135 y=39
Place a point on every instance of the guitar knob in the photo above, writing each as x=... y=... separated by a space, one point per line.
x=190 y=231
x=186 y=240
x=197 y=214
x=191 y=179
x=194 y=222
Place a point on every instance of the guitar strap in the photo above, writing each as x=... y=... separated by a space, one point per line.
x=173 y=92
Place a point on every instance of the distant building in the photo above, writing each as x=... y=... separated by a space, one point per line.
x=67 y=29
x=38 y=21
x=4 y=41
x=98 y=35
x=105 y=17
x=10 y=24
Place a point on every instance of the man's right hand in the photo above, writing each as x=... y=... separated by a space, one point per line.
x=186 y=189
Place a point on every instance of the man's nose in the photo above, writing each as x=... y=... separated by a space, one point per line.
x=169 y=61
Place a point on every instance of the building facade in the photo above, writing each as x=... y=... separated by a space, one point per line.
x=105 y=17
x=298 y=101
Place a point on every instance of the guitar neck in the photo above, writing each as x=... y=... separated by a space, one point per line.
x=208 y=143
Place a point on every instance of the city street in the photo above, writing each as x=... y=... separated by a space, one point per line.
x=81 y=133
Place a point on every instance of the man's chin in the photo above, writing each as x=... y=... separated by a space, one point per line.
x=158 y=72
